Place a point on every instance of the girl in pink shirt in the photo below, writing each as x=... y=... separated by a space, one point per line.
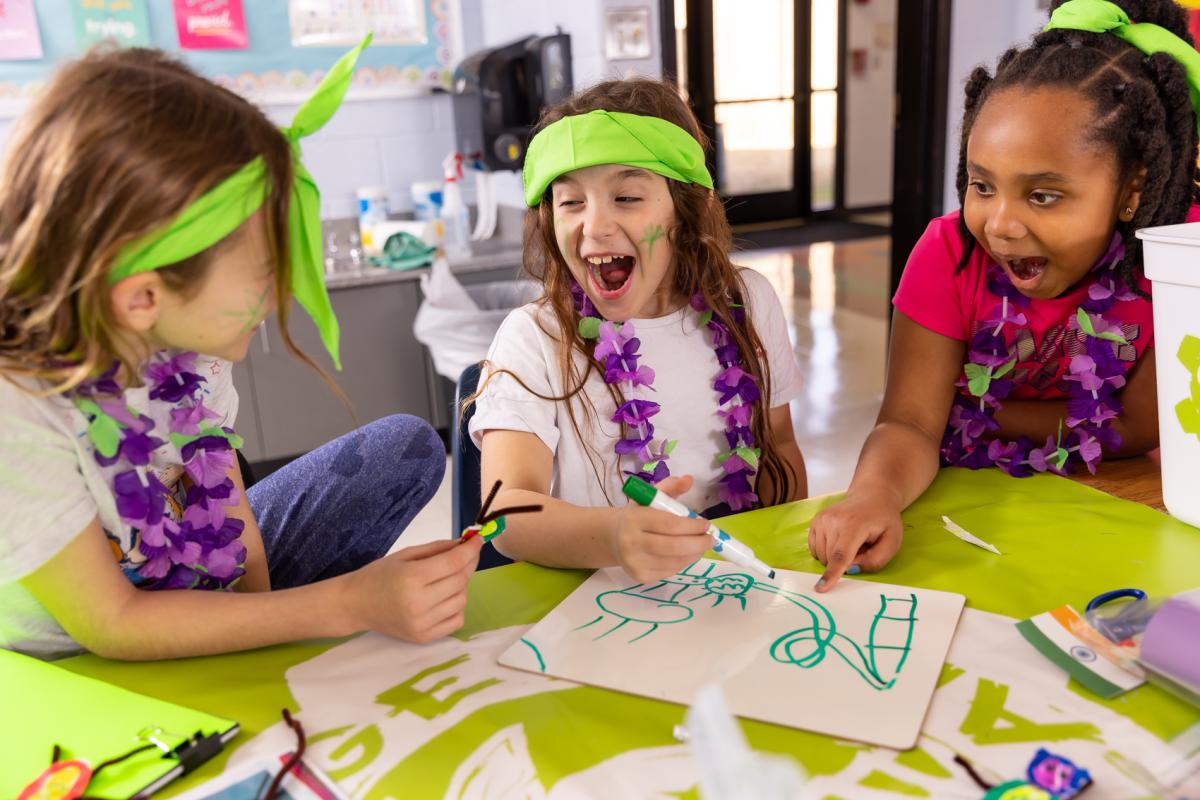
x=1023 y=333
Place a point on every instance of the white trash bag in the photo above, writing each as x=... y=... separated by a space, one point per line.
x=457 y=323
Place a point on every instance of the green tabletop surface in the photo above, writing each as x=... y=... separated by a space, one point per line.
x=1061 y=542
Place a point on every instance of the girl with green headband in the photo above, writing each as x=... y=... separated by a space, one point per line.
x=648 y=354
x=1023 y=336
x=149 y=222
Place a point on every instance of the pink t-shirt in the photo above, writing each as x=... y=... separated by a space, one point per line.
x=954 y=304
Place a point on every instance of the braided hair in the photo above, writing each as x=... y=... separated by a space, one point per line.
x=1143 y=114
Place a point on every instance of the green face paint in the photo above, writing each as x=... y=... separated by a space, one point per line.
x=653 y=234
x=254 y=307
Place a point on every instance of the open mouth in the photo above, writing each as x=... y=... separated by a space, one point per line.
x=611 y=275
x=1026 y=270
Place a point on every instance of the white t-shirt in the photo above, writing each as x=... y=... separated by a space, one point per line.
x=51 y=487
x=685 y=365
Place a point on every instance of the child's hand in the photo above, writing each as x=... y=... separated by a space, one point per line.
x=650 y=544
x=862 y=531
x=419 y=593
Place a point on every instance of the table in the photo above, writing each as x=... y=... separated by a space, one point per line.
x=388 y=719
x=1137 y=479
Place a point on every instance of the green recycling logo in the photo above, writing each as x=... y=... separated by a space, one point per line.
x=1188 y=410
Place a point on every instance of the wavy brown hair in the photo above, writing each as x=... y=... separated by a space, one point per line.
x=114 y=148
x=700 y=243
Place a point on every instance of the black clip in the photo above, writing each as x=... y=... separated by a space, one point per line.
x=196 y=750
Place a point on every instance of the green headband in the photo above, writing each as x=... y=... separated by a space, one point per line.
x=1101 y=16
x=612 y=137
x=220 y=210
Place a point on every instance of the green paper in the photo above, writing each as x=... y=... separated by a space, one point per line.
x=1189 y=353
x=92 y=721
x=611 y=137
x=1101 y=16
x=221 y=210
x=1085 y=324
x=589 y=327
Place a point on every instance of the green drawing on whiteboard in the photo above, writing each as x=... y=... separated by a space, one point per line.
x=878 y=662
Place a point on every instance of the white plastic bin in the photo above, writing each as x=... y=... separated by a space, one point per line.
x=1172 y=258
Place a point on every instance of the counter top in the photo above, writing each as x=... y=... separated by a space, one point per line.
x=486 y=255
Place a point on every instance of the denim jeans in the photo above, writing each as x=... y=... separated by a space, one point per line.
x=344 y=504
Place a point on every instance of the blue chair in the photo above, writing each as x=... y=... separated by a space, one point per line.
x=465 y=478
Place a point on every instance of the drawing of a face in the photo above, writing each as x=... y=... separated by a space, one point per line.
x=729 y=585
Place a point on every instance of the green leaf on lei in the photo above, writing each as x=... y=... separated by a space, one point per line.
x=670 y=446
x=1004 y=369
x=181 y=440
x=1085 y=325
x=103 y=430
x=589 y=327
x=979 y=378
x=748 y=455
x=705 y=318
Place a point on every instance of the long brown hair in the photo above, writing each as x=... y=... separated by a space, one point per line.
x=700 y=243
x=115 y=147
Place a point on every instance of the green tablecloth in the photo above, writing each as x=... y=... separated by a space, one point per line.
x=1062 y=543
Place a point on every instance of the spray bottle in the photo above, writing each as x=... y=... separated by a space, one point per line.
x=456 y=232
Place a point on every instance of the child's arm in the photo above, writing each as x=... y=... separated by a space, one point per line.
x=1137 y=424
x=257 y=577
x=900 y=457
x=649 y=544
x=417 y=594
x=784 y=437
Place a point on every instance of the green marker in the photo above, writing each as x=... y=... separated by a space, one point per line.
x=644 y=494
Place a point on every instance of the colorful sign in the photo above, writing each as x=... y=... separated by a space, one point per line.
x=211 y=25
x=120 y=22
x=19 y=36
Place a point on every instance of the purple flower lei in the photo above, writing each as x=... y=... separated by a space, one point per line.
x=203 y=550
x=1093 y=377
x=617 y=350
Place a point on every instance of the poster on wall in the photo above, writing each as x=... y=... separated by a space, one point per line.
x=121 y=22
x=211 y=25
x=20 y=39
x=339 y=23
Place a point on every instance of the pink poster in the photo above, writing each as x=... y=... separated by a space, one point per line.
x=210 y=24
x=19 y=36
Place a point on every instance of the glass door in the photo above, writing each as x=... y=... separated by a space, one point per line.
x=763 y=76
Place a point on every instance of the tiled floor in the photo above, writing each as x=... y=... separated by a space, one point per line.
x=835 y=298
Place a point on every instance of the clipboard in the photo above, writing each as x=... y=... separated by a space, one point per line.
x=42 y=705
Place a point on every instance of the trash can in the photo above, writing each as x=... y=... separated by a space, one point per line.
x=1172 y=256
x=457 y=323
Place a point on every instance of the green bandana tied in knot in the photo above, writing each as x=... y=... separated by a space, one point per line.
x=1101 y=16
x=612 y=137
x=220 y=210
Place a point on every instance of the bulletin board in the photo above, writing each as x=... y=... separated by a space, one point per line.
x=270 y=70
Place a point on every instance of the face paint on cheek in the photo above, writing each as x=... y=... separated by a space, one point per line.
x=654 y=232
x=253 y=309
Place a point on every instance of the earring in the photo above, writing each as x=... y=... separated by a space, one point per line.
x=1128 y=214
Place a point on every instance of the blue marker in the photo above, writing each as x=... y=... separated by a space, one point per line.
x=644 y=494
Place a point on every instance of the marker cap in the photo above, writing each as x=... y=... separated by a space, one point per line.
x=639 y=491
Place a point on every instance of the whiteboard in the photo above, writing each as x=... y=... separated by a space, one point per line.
x=860 y=662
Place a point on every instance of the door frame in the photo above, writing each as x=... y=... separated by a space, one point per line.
x=922 y=84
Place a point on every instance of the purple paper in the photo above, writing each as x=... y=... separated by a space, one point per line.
x=1171 y=644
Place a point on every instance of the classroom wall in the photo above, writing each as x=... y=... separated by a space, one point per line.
x=870 y=100
x=980 y=31
x=395 y=142
x=584 y=20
